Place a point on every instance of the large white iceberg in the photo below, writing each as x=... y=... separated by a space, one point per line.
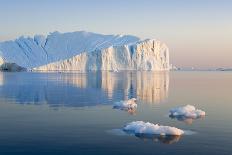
x=140 y=127
x=187 y=111
x=83 y=51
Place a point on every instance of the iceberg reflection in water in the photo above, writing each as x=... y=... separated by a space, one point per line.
x=184 y=119
x=167 y=139
x=83 y=89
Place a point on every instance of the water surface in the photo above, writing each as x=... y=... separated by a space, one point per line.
x=71 y=113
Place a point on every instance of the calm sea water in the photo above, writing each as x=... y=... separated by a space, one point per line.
x=71 y=113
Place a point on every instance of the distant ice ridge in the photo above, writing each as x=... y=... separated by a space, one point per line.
x=187 y=111
x=85 y=51
x=140 y=127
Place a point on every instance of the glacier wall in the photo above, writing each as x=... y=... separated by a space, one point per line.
x=149 y=55
x=83 y=51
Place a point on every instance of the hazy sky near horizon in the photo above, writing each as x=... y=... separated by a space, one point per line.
x=198 y=32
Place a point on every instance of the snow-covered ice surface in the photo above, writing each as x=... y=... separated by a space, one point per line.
x=187 y=111
x=140 y=127
x=85 y=51
x=126 y=104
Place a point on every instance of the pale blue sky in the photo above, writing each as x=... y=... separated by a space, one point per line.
x=198 y=32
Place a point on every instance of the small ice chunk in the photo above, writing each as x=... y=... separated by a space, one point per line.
x=127 y=104
x=140 y=127
x=187 y=111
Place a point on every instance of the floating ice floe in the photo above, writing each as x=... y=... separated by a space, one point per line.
x=187 y=111
x=126 y=105
x=166 y=139
x=140 y=127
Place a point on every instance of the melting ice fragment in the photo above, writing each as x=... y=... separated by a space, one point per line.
x=126 y=104
x=140 y=127
x=187 y=111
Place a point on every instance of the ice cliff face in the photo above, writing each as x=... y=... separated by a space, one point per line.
x=1 y=61
x=145 y=55
x=85 y=51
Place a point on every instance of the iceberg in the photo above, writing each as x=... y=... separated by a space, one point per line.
x=140 y=127
x=187 y=111
x=82 y=51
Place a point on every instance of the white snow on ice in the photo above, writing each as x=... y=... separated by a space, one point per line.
x=126 y=104
x=187 y=111
x=140 y=127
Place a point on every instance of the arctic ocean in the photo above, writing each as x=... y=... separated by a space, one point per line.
x=72 y=113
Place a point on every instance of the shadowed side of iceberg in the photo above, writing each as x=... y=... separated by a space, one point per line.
x=30 y=52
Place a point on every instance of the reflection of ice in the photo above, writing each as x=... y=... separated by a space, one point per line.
x=131 y=111
x=83 y=89
x=184 y=119
x=108 y=83
x=1 y=79
x=168 y=139
x=152 y=87
x=79 y=80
